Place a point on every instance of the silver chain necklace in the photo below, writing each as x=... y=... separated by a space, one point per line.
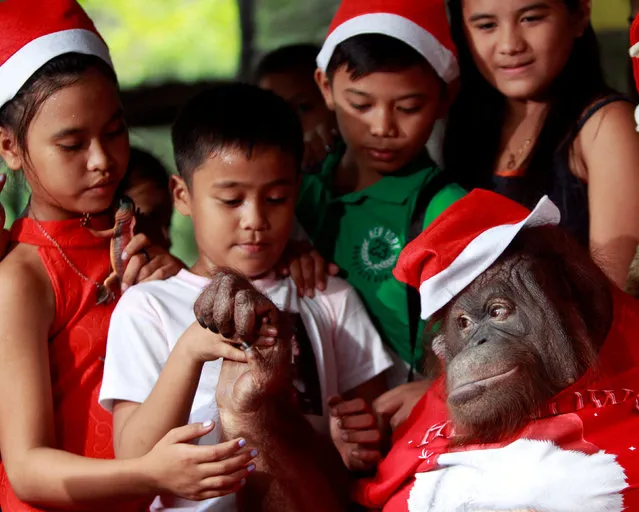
x=103 y=294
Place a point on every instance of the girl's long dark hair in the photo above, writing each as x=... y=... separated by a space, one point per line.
x=473 y=134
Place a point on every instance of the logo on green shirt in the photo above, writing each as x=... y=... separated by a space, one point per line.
x=376 y=256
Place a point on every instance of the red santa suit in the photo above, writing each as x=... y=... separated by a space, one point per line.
x=581 y=453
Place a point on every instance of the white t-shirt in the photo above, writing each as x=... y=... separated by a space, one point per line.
x=334 y=332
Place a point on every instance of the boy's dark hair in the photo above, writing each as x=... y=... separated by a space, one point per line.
x=473 y=134
x=299 y=58
x=59 y=72
x=143 y=165
x=234 y=116
x=369 y=53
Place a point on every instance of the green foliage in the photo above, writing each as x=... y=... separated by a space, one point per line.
x=182 y=40
x=281 y=22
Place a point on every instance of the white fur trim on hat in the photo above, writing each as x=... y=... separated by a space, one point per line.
x=477 y=256
x=440 y=58
x=17 y=70
x=526 y=474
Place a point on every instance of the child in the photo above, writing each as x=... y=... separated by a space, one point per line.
x=146 y=182
x=385 y=71
x=238 y=150
x=535 y=117
x=289 y=73
x=61 y=122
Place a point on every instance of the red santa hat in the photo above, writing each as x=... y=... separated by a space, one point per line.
x=36 y=31
x=634 y=54
x=421 y=24
x=463 y=242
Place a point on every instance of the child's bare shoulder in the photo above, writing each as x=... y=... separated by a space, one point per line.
x=22 y=274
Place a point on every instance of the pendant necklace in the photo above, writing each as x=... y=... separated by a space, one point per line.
x=515 y=157
x=103 y=294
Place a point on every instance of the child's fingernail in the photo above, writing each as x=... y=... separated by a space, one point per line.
x=251 y=468
x=125 y=255
x=124 y=287
x=253 y=453
x=242 y=443
x=207 y=424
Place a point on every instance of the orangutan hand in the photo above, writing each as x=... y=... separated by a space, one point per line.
x=248 y=391
x=231 y=306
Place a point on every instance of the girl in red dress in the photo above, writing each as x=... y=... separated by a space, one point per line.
x=61 y=123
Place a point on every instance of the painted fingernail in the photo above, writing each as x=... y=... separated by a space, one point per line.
x=251 y=468
x=207 y=423
x=243 y=482
x=253 y=453
x=125 y=255
x=242 y=443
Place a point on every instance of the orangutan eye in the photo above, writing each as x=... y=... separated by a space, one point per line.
x=498 y=311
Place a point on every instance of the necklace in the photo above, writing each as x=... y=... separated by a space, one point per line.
x=103 y=294
x=515 y=157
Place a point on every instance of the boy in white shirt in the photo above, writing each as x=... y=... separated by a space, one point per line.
x=238 y=150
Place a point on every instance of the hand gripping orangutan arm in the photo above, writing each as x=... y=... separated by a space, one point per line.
x=297 y=469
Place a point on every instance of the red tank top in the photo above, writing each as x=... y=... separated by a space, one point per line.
x=77 y=341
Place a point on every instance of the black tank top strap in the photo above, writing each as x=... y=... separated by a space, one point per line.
x=593 y=109
x=569 y=192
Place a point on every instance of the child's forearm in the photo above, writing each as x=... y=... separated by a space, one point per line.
x=167 y=406
x=55 y=478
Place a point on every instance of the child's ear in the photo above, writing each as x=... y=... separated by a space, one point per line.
x=449 y=92
x=324 y=85
x=181 y=195
x=10 y=150
x=583 y=17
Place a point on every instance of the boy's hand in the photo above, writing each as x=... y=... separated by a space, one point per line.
x=231 y=306
x=394 y=406
x=4 y=234
x=355 y=433
x=203 y=345
x=194 y=472
x=147 y=262
x=306 y=267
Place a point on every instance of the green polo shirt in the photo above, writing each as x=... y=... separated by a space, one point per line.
x=363 y=233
